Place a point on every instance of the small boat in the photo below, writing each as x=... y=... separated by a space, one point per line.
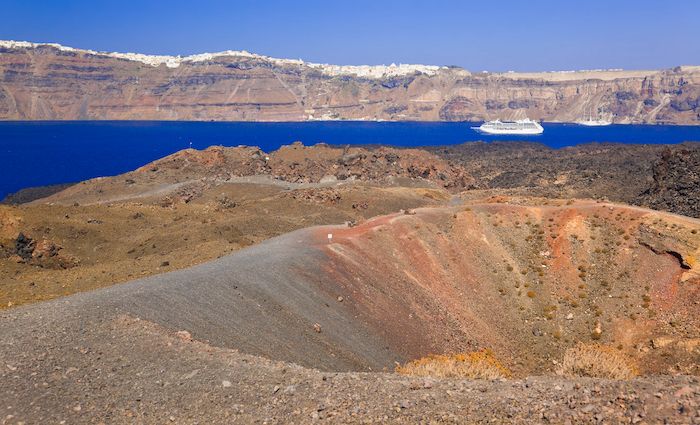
x=594 y=123
x=590 y=122
x=522 y=127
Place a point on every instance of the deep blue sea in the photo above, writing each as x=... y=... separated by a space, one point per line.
x=43 y=153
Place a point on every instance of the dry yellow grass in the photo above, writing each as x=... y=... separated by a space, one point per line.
x=476 y=365
x=597 y=361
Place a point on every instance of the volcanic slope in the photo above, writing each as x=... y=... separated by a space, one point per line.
x=525 y=278
x=195 y=206
x=524 y=281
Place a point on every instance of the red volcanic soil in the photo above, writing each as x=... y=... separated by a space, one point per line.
x=525 y=281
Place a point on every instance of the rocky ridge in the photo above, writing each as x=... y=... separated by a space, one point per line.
x=656 y=176
x=187 y=173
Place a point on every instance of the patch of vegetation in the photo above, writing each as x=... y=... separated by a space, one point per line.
x=475 y=365
x=597 y=361
x=550 y=311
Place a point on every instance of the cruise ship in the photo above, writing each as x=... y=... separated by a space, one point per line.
x=522 y=127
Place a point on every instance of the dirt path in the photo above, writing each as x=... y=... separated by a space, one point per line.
x=262 y=300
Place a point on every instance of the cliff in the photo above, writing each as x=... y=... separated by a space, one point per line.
x=53 y=82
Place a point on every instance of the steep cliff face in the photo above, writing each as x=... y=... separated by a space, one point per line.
x=42 y=81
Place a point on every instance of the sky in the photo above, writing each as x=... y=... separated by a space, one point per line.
x=532 y=35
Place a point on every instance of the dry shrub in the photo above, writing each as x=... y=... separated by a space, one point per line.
x=597 y=361
x=476 y=365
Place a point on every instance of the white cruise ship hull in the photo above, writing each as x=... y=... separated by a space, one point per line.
x=522 y=132
x=521 y=127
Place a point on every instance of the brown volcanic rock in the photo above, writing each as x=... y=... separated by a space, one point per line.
x=213 y=162
x=301 y=164
x=10 y=224
x=657 y=176
x=45 y=82
x=186 y=174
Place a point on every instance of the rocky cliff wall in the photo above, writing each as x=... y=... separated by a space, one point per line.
x=49 y=82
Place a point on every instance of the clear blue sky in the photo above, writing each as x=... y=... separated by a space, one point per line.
x=478 y=35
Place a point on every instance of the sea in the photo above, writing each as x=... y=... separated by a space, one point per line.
x=38 y=153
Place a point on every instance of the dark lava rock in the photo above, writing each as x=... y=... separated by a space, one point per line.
x=391 y=157
x=656 y=176
x=33 y=193
x=24 y=246
x=676 y=183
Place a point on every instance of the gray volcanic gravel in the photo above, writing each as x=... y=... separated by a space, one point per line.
x=128 y=370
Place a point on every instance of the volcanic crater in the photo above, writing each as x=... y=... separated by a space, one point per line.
x=520 y=281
